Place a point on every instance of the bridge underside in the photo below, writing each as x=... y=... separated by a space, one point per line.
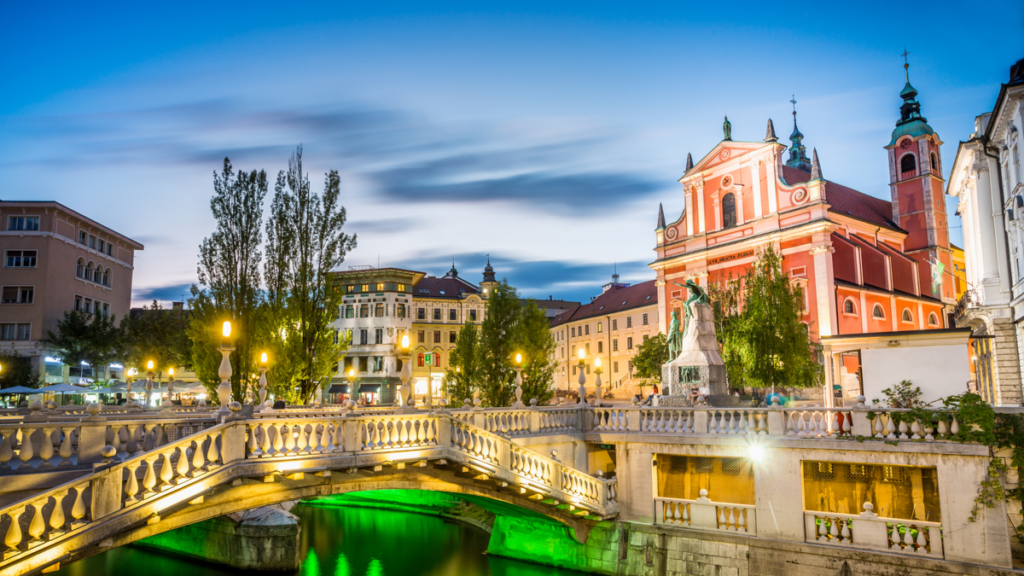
x=251 y=484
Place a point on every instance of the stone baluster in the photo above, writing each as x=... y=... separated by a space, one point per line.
x=198 y=461
x=27 y=450
x=78 y=508
x=149 y=477
x=57 y=517
x=14 y=535
x=36 y=526
x=166 y=471
x=66 y=450
x=213 y=452
x=131 y=485
x=183 y=468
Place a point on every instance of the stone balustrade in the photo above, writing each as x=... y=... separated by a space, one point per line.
x=704 y=514
x=868 y=531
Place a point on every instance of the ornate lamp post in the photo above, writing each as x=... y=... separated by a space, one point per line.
x=224 y=390
x=519 y=382
x=597 y=370
x=263 y=381
x=128 y=386
x=149 y=381
x=170 y=389
x=405 y=390
x=583 y=377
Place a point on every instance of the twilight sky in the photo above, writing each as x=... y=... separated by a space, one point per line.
x=543 y=137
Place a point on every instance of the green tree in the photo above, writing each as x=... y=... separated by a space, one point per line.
x=305 y=242
x=769 y=338
x=533 y=339
x=462 y=378
x=154 y=333
x=725 y=295
x=91 y=338
x=16 y=370
x=497 y=340
x=229 y=282
x=650 y=356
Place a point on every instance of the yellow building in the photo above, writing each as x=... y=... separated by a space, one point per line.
x=611 y=327
x=959 y=270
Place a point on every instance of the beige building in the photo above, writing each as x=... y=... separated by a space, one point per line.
x=610 y=327
x=56 y=260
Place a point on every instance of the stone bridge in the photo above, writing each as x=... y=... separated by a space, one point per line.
x=76 y=484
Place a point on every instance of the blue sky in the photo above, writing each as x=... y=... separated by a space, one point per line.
x=542 y=134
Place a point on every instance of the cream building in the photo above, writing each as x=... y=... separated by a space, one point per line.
x=56 y=260
x=988 y=183
x=610 y=327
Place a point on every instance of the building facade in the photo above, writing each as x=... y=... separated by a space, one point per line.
x=56 y=260
x=610 y=327
x=988 y=183
x=374 y=315
x=865 y=265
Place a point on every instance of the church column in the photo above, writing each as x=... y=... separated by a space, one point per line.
x=688 y=195
x=824 y=290
x=772 y=168
x=698 y=190
x=755 y=171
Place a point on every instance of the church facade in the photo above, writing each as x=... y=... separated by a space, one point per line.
x=865 y=265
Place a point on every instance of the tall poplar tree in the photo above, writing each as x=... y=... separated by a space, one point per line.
x=462 y=377
x=229 y=281
x=534 y=341
x=305 y=242
x=497 y=346
x=769 y=337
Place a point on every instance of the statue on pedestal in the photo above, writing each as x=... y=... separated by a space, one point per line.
x=675 y=337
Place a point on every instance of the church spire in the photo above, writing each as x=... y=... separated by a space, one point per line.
x=488 y=271
x=770 y=135
x=911 y=122
x=797 y=151
x=689 y=162
x=815 y=166
x=661 y=217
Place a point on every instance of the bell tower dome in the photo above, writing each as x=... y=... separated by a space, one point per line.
x=918 y=202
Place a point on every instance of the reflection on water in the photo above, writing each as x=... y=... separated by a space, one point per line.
x=346 y=542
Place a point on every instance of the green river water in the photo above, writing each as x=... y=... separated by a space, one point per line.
x=339 y=541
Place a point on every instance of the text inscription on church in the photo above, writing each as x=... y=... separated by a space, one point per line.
x=731 y=257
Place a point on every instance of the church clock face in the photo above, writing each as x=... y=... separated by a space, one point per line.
x=727 y=181
x=905 y=144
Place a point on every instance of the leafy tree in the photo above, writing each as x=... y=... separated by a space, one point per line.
x=154 y=333
x=769 y=339
x=533 y=339
x=650 y=356
x=91 y=338
x=229 y=281
x=305 y=242
x=726 y=295
x=497 y=341
x=17 y=371
x=462 y=377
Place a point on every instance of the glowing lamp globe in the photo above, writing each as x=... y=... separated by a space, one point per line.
x=149 y=365
x=597 y=363
x=405 y=341
x=226 y=330
x=519 y=358
x=581 y=354
x=263 y=358
x=170 y=371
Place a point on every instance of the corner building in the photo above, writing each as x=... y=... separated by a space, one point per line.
x=866 y=265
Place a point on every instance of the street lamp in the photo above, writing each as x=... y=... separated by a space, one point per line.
x=263 y=381
x=224 y=390
x=597 y=370
x=149 y=381
x=519 y=382
x=583 y=377
x=405 y=390
x=170 y=387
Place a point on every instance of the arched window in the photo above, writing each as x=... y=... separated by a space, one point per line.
x=935 y=162
x=80 y=269
x=106 y=277
x=88 y=271
x=849 y=307
x=908 y=163
x=729 y=210
x=878 y=312
x=420 y=359
x=907 y=316
x=933 y=319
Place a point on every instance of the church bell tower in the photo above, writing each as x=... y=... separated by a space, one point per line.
x=918 y=201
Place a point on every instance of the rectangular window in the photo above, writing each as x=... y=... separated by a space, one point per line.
x=17 y=295
x=380 y=287
x=452 y=314
x=83 y=238
x=378 y=337
x=109 y=249
x=364 y=364
x=378 y=363
x=472 y=315
x=88 y=306
x=600 y=347
x=364 y=310
x=629 y=366
x=646 y=336
x=106 y=309
x=452 y=337
x=22 y=223
x=437 y=336
x=400 y=312
x=348 y=365
x=15 y=331
x=363 y=336
x=600 y=327
x=421 y=314
x=92 y=242
x=905 y=492
x=437 y=313
x=78 y=303
x=350 y=290
x=573 y=331
x=378 y=310
x=401 y=287
x=364 y=288
x=21 y=259
x=615 y=344
x=350 y=311
x=629 y=321
x=437 y=359
x=588 y=348
x=574 y=370
x=335 y=336
x=420 y=336
x=102 y=246
x=683 y=477
x=615 y=367
x=615 y=323
x=629 y=343
x=586 y=329
x=644 y=320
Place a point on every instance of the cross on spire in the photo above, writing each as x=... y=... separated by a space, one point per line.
x=906 y=62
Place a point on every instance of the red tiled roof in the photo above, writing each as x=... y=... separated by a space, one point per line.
x=444 y=287
x=612 y=301
x=844 y=200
